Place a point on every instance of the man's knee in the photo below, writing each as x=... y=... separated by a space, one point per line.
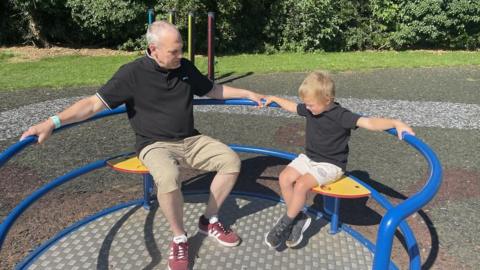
x=230 y=164
x=166 y=180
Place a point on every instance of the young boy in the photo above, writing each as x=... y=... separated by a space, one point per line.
x=328 y=129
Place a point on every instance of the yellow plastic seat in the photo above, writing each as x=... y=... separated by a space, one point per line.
x=344 y=187
x=128 y=164
x=131 y=164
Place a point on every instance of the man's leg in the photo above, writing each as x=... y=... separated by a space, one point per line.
x=160 y=160
x=171 y=204
x=209 y=154
x=162 y=165
x=221 y=186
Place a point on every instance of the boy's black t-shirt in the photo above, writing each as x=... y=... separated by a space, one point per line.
x=328 y=133
x=158 y=101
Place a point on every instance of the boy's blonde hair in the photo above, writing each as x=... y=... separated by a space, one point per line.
x=319 y=84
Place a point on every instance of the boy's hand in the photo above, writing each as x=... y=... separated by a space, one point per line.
x=283 y=103
x=402 y=127
x=269 y=99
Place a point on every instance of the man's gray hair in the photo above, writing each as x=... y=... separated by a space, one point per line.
x=156 y=30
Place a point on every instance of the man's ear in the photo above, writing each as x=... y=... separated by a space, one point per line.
x=152 y=47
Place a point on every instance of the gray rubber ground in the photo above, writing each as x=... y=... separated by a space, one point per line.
x=395 y=169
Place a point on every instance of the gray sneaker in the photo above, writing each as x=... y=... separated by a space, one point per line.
x=300 y=225
x=278 y=233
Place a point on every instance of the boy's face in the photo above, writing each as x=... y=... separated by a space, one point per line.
x=316 y=106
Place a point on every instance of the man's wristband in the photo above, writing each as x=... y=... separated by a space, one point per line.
x=56 y=121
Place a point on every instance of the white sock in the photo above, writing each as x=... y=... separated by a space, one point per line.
x=180 y=239
x=213 y=219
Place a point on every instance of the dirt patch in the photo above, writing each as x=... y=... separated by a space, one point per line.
x=290 y=134
x=31 y=53
x=457 y=184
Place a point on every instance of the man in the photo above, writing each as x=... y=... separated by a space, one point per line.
x=158 y=90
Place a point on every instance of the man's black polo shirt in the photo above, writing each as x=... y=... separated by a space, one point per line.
x=327 y=134
x=159 y=101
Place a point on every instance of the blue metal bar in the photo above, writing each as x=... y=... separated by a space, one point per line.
x=44 y=247
x=15 y=148
x=407 y=232
x=393 y=218
x=396 y=215
x=331 y=205
x=23 y=205
x=233 y=101
x=147 y=190
x=19 y=146
x=151 y=15
x=262 y=151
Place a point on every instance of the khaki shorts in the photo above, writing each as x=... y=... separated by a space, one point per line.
x=323 y=172
x=201 y=152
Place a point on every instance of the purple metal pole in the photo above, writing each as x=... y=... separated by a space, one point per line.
x=211 y=47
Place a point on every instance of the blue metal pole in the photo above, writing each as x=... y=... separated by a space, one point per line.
x=151 y=15
x=147 y=190
x=396 y=215
x=407 y=232
x=15 y=148
x=23 y=205
x=332 y=206
x=262 y=151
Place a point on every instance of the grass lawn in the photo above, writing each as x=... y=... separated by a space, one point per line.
x=68 y=71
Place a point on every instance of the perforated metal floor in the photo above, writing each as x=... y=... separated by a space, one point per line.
x=134 y=238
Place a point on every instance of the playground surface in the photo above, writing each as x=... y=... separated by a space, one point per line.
x=447 y=229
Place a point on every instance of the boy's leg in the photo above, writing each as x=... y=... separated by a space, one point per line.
x=284 y=227
x=301 y=220
x=319 y=173
x=287 y=180
x=303 y=185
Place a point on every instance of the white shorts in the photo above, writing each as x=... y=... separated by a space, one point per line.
x=323 y=172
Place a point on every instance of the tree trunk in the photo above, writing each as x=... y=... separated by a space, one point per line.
x=38 y=39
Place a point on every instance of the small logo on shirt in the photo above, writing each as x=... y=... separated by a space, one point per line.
x=185 y=78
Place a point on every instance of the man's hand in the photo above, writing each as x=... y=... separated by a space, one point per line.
x=42 y=130
x=257 y=98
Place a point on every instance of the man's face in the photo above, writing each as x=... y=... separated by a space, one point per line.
x=316 y=106
x=168 y=52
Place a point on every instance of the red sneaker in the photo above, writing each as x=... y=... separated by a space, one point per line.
x=178 y=258
x=225 y=237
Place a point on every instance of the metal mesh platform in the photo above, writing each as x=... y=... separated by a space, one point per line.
x=134 y=238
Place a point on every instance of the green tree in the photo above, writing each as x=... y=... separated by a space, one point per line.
x=108 y=22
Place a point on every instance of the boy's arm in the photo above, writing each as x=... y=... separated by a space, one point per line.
x=286 y=104
x=380 y=124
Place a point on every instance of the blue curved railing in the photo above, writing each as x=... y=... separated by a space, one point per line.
x=394 y=217
x=397 y=214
